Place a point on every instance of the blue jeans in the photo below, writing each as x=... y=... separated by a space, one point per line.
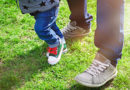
x=46 y=27
x=109 y=35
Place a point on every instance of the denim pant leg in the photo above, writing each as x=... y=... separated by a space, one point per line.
x=57 y=30
x=109 y=35
x=79 y=13
x=44 y=21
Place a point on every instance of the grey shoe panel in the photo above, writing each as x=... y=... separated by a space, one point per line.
x=102 y=77
x=82 y=77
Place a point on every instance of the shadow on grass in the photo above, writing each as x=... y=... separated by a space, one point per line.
x=18 y=70
x=80 y=87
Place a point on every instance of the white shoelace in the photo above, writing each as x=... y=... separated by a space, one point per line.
x=96 y=68
x=69 y=27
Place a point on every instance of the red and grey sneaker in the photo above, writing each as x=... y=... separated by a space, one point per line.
x=64 y=49
x=55 y=54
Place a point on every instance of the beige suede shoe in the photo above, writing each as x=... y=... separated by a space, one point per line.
x=99 y=73
x=74 y=31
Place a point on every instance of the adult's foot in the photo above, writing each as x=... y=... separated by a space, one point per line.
x=74 y=31
x=98 y=74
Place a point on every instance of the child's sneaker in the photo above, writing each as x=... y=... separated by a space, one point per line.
x=55 y=54
x=64 y=49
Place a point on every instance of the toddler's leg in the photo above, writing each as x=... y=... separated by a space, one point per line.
x=43 y=30
x=44 y=22
x=58 y=32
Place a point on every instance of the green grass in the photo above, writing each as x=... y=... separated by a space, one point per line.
x=24 y=67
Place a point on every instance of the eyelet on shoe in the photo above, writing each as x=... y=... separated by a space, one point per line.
x=105 y=69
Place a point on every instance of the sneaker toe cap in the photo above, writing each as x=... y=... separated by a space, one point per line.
x=84 y=78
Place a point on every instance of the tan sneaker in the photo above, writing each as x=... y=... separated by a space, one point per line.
x=97 y=74
x=74 y=31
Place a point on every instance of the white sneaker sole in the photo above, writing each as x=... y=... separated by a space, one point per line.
x=96 y=85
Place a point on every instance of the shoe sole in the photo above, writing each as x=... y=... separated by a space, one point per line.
x=96 y=85
x=58 y=59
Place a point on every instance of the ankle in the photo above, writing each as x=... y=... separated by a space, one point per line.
x=102 y=59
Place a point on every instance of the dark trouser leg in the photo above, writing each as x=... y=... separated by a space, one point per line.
x=79 y=13
x=109 y=35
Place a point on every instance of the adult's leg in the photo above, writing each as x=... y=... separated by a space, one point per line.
x=109 y=35
x=109 y=38
x=79 y=12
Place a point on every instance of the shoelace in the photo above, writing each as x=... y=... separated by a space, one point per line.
x=52 y=50
x=69 y=27
x=96 y=68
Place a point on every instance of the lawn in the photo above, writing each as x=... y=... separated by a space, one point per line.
x=23 y=64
